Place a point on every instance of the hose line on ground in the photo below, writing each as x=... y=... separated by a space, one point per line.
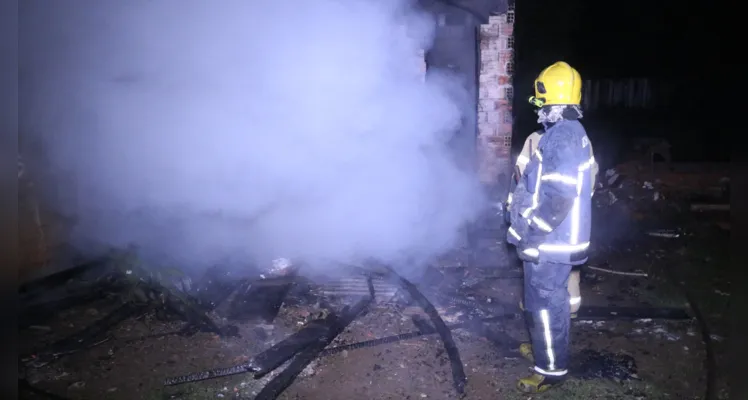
x=458 y=372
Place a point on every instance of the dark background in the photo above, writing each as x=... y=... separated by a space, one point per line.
x=666 y=41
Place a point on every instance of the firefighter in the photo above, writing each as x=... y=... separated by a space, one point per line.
x=531 y=144
x=550 y=222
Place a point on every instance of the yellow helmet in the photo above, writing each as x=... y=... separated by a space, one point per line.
x=558 y=84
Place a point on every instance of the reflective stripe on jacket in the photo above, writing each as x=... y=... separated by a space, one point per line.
x=558 y=172
x=531 y=144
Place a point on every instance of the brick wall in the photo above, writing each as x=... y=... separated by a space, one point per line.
x=495 y=95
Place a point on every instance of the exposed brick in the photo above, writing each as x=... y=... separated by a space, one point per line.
x=487 y=105
x=493 y=118
x=489 y=56
x=482 y=117
x=496 y=19
x=489 y=79
x=492 y=93
x=494 y=127
x=489 y=30
x=487 y=131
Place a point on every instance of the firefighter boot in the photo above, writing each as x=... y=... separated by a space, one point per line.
x=525 y=350
x=537 y=383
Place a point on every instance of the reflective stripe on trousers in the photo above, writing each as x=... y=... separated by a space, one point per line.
x=547 y=308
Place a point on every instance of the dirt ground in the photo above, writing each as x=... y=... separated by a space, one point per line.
x=669 y=355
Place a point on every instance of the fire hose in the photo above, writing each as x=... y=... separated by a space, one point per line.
x=248 y=366
x=458 y=372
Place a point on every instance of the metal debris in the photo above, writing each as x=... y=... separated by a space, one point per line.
x=358 y=286
x=610 y=271
x=664 y=234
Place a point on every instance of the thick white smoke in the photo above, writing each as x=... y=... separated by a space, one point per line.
x=204 y=131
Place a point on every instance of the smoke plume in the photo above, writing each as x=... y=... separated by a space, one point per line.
x=205 y=131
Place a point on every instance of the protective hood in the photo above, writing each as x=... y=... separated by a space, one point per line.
x=549 y=115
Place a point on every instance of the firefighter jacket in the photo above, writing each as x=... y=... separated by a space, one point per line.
x=531 y=143
x=552 y=203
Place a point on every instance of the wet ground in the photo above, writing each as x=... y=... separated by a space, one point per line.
x=615 y=359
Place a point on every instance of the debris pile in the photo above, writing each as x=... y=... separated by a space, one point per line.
x=284 y=324
x=636 y=180
x=319 y=312
x=651 y=191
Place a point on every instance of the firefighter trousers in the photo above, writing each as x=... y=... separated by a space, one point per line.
x=547 y=315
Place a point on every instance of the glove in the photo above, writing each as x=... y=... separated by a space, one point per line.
x=517 y=229
x=531 y=240
x=526 y=257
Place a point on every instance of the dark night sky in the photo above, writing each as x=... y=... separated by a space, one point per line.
x=662 y=40
x=637 y=37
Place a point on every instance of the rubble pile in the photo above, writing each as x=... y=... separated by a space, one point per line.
x=651 y=189
x=290 y=315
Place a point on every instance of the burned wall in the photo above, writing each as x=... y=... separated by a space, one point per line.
x=474 y=40
x=454 y=52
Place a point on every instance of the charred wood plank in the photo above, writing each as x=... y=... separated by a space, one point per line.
x=38 y=312
x=215 y=287
x=260 y=299
x=284 y=379
x=188 y=310
x=151 y=284
x=268 y=360
x=89 y=336
x=89 y=271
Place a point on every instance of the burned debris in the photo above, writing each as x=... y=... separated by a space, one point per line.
x=289 y=325
x=319 y=310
